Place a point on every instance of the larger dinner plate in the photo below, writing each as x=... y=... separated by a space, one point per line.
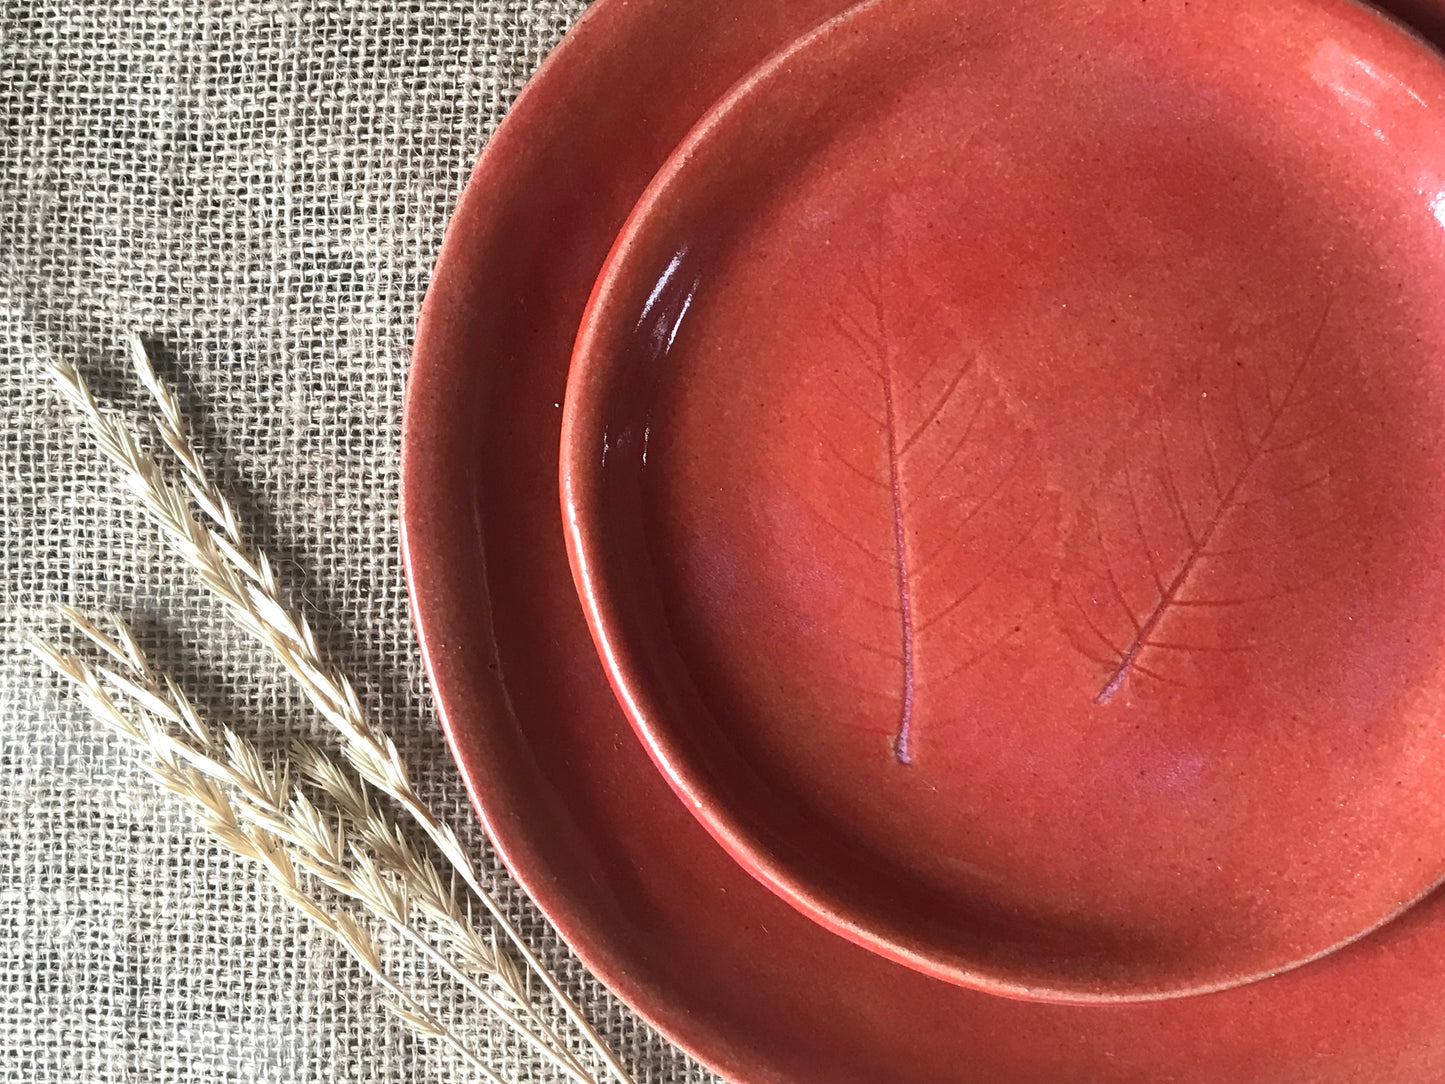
x=656 y=909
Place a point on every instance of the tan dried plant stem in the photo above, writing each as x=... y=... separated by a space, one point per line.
x=213 y=546
x=263 y=818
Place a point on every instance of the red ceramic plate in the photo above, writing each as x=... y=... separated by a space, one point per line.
x=1009 y=496
x=655 y=908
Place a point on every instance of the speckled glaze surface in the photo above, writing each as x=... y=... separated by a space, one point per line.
x=577 y=809
x=1004 y=465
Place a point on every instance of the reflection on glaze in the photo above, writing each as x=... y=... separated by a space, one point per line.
x=662 y=282
x=1359 y=85
x=667 y=304
x=658 y=325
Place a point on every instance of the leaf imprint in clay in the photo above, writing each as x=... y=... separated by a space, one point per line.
x=1217 y=501
x=924 y=436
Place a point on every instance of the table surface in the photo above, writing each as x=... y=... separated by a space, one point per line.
x=260 y=188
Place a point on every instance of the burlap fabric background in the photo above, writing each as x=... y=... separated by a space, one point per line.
x=260 y=188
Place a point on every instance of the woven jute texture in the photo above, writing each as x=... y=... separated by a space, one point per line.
x=260 y=188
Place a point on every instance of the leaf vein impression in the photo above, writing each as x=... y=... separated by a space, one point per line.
x=905 y=604
x=1198 y=544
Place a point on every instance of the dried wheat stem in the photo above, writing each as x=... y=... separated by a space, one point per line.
x=350 y=934
x=267 y=801
x=384 y=838
x=321 y=851
x=244 y=581
x=244 y=827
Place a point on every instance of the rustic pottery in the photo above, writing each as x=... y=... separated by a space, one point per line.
x=1009 y=495
x=656 y=909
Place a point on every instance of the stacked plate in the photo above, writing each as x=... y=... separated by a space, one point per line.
x=990 y=629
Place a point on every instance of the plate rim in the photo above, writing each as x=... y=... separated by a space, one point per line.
x=565 y=69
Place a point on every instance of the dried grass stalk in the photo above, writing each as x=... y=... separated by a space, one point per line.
x=251 y=811
x=200 y=526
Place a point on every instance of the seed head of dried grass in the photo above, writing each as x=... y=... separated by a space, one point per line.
x=200 y=527
x=258 y=813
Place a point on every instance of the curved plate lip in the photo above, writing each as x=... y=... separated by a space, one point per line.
x=426 y=497
x=578 y=478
